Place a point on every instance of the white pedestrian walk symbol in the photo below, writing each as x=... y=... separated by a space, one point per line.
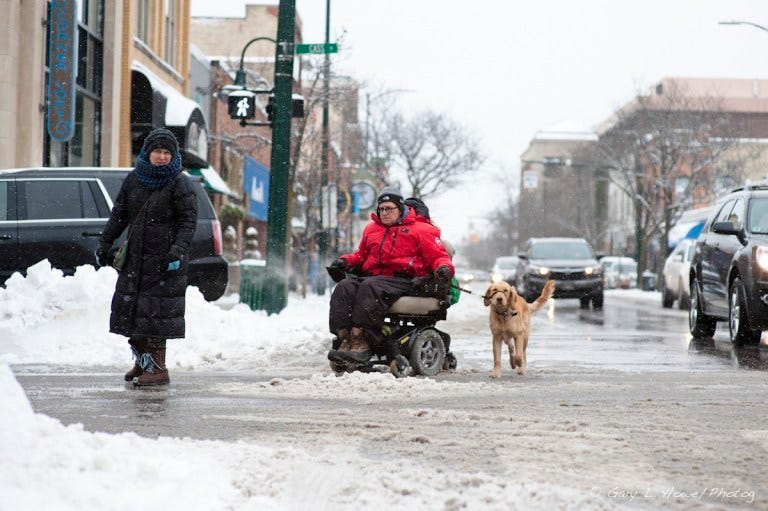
x=242 y=108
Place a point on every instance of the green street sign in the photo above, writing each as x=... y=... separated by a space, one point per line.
x=317 y=49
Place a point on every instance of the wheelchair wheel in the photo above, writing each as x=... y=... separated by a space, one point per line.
x=427 y=352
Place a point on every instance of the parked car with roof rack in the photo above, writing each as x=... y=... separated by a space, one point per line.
x=729 y=269
x=58 y=214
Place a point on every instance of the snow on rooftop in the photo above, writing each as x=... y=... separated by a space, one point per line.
x=566 y=130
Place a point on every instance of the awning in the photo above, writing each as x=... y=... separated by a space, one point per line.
x=156 y=104
x=212 y=180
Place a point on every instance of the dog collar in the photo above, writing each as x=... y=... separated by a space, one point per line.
x=506 y=313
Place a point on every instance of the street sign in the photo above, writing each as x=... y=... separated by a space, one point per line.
x=317 y=49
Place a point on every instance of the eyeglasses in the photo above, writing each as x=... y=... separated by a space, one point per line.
x=386 y=210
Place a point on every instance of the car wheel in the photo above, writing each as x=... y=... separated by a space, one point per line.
x=738 y=323
x=699 y=324
x=667 y=298
x=597 y=301
x=584 y=302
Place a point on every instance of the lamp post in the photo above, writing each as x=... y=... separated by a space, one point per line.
x=326 y=208
x=240 y=77
x=737 y=22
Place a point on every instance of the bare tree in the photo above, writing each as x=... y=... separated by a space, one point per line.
x=663 y=150
x=432 y=150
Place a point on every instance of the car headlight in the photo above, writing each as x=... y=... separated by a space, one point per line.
x=543 y=270
x=761 y=258
x=593 y=270
x=496 y=277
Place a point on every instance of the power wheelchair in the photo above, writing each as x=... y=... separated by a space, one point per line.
x=410 y=324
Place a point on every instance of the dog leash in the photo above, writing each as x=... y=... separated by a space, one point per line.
x=454 y=286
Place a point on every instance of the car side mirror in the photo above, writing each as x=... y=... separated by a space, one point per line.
x=725 y=227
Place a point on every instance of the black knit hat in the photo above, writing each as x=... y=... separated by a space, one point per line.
x=392 y=194
x=161 y=138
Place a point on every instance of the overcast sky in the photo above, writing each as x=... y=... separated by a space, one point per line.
x=509 y=69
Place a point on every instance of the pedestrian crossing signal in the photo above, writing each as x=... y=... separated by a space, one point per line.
x=241 y=105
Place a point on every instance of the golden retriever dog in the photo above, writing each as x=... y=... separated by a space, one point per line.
x=510 y=319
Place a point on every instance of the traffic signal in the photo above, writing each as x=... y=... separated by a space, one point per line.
x=297 y=106
x=241 y=104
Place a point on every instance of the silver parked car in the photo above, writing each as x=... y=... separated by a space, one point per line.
x=677 y=269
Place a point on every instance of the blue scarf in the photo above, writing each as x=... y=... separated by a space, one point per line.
x=155 y=177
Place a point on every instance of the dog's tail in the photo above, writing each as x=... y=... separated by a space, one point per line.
x=546 y=294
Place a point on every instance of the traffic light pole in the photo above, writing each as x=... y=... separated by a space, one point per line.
x=326 y=209
x=275 y=284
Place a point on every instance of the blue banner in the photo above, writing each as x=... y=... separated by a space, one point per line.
x=62 y=67
x=256 y=185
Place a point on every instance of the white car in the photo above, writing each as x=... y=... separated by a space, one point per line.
x=676 y=282
x=619 y=272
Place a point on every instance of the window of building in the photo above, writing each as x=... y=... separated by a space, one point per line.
x=170 y=31
x=85 y=145
x=143 y=16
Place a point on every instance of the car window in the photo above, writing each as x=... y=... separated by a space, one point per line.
x=724 y=212
x=561 y=250
x=42 y=199
x=736 y=217
x=758 y=216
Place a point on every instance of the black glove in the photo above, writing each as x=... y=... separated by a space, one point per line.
x=175 y=257
x=102 y=254
x=339 y=264
x=337 y=269
x=444 y=274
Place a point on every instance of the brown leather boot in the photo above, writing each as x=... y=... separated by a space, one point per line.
x=154 y=370
x=359 y=349
x=343 y=336
x=138 y=347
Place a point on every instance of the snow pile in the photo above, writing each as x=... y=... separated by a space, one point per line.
x=48 y=318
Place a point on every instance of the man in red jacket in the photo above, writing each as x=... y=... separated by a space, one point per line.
x=397 y=247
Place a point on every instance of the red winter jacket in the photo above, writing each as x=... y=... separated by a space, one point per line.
x=410 y=248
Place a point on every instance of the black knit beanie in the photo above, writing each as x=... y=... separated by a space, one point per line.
x=392 y=194
x=161 y=138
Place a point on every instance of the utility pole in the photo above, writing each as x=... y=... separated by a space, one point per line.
x=275 y=285
x=326 y=208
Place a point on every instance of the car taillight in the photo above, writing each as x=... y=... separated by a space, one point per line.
x=217 y=242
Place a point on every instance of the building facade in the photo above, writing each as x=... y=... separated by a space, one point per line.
x=131 y=68
x=562 y=188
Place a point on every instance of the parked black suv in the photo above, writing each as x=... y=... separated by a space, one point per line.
x=570 y=262
x=729 y=270
x=58 y=214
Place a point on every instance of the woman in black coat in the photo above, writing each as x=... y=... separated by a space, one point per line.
x=158 y=205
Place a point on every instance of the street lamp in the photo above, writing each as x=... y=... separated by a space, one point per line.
x=737 y=22
x=240 y=77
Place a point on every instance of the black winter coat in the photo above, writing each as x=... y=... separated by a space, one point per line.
x=148 y=299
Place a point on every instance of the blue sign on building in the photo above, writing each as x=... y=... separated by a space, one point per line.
x=256 y=184
x=62 y=69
